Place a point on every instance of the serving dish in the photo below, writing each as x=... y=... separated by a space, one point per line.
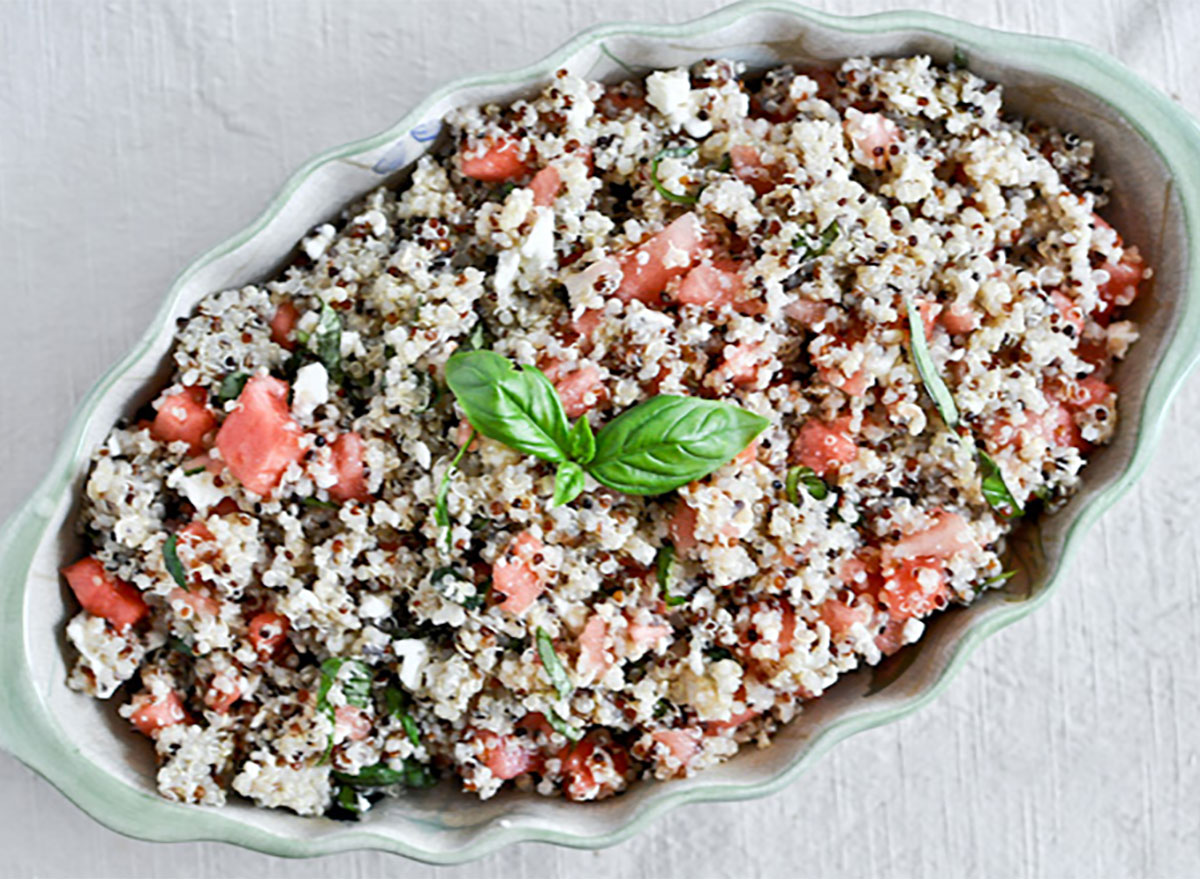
x=1147 y=145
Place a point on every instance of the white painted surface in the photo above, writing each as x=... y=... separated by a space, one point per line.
x=135 y=135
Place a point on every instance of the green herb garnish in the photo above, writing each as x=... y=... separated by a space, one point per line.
x=999 y=578
x=563 y=728
x=943 y=400
x=319 y=504
x=356 y=688
x=995 y=490
x=329 y=342
x=441 y=514
x=553 y=665
x=192 y=471
x=231 y=386
x=414 y=774
x=664 y=560
x=396 y=702
x=568 y=483
x=674 y=153
x=814 y=249
x=655 y=447
x=174 y=565
x=958 y=61
x=716 y=654
x=813 y=484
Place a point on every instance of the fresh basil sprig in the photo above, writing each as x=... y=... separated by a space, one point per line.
x=174 y=565
x=655 y=447
x=553 y=665
x=674 y=153
x=669 y=441
x=943 y=400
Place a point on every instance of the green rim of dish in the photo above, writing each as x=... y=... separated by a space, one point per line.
x=32 y=735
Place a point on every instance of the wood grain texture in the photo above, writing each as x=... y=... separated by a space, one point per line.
x=135 y=135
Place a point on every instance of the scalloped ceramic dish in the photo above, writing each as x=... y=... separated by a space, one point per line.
x=1149 y=147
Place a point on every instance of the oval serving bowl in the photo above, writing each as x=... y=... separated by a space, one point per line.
x=1147 y=145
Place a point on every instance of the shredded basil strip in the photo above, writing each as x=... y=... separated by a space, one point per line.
x=441 y=514
x=999 y=578
x=174 y=565
x=413 y=774
x=995 y=490
x=192 y=471
x=674 y=153
x=356 y=688
x=716 y=654
x=396 y=702
x=318 y=503
x=329 y=342
x=664 y=560
x=563 y=728
x=813 y=484
x=231 y=386
x=943 y=400
x=959 y=60
x=811 y=251
x=553 y=665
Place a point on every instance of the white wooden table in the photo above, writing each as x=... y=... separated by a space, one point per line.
x=135 y=135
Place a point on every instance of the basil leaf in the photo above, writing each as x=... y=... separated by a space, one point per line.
x=674 y=153
x=813 y=483
x=396 y=702
x=356 y=688
x=479 y=338
x=581 y=444
x=995 y=490
x=329 y=342
x=174 y=565
x=441 y=514
x=231 y=386
x=943 y=400
x=519 y=408
x=568 y=483
x=192 y=471
x=664 y=560
x=669 y=441
x=553 y=665
x=812 y=250
x=563 y=728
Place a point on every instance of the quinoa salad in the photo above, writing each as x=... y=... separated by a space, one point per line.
x=384 y=526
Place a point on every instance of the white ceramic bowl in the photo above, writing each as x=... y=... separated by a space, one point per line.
x=81 y=746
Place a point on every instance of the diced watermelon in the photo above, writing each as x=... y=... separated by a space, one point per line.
x=806 y=312
x=682 y=527
x=594 y=658
x=350 y=723
x=151 y=715
x=683 y=744
x=741 y=366
x=841 y=617
x=223 y=691
x=824 y=446
x=929 y=311
x=505 y=756
x=579 y=389
x=498 y=160
x=916 y=588
x=784 y=640
x=259 y=439
x=102 y=594
x=646 y=269
x=748 y=455
x=579 y=782
x=855 y=385
x=587 y=323
x=283 y=322
x=184 y=417
x=647 y=634
x=545 y=185
x=347 y=451
x=872 y=136
x=515 y=574
x=1071 y=313
x=734 y=721
x=268 y=633
x=199 y=600
x=717 y=284
x=946 y=537
x=749 y=168
x=959 y=318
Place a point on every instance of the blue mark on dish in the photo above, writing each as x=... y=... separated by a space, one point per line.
x=401 y=154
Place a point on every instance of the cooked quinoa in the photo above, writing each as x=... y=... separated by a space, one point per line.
x=267 y=586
